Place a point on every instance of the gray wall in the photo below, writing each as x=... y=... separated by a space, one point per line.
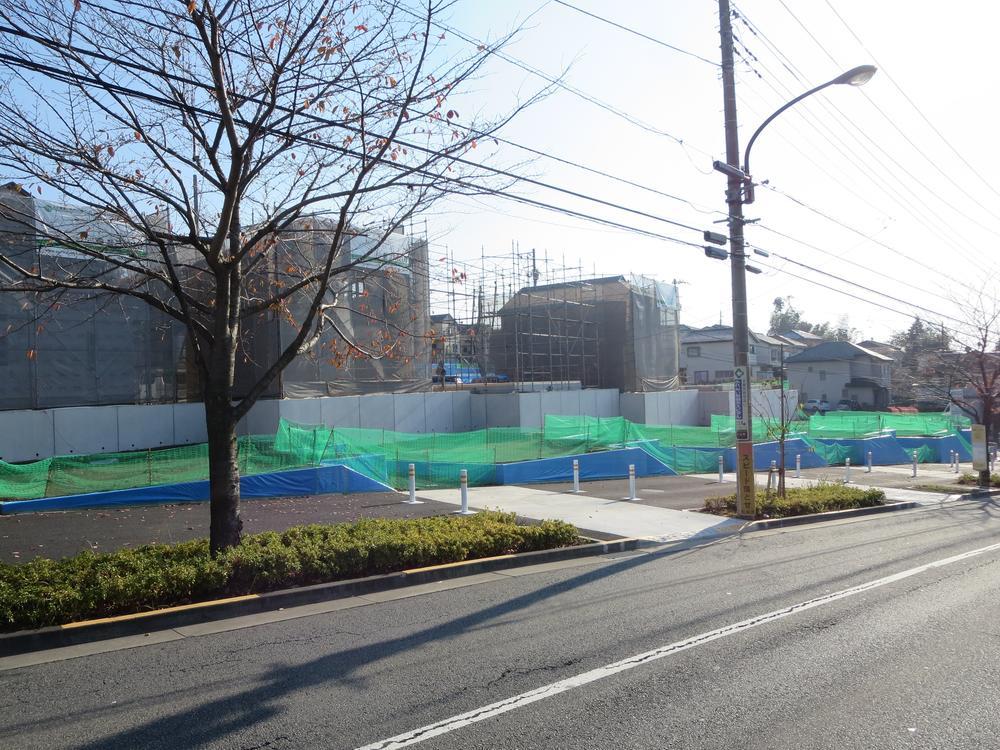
x=28 y=435
x=813 y=379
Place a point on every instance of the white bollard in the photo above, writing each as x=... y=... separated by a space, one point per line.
x=413 y=487
x=798 y=465
x=631 y=481
x=463 y=483
x=847 y=471
x=721 y=470
x=576 y=475
x=869 y=469
x=914 y=463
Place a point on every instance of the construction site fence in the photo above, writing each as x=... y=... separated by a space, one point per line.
x=385 y=455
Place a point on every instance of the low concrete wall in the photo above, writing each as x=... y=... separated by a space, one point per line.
x=29 y=435
x=666 y=407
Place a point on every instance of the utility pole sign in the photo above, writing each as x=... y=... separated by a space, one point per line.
x=980 y=457
x=745 y=501
x=741 y=403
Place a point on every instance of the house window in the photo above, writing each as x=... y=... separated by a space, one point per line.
x=810 y=368
x=822 y=374
x=753 y=349
x=723 y=374
x=357 y=289
x=694 y=351
x=701 y=376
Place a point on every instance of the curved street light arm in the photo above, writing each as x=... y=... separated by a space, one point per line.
x=855 y=77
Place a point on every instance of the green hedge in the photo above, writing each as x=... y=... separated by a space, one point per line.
x=800 y=501
x=51 y=592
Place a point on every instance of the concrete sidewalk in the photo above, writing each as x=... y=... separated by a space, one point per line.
x=892 y=494
x=621 y=518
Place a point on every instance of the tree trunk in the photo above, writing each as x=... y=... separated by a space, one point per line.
x=224 y=474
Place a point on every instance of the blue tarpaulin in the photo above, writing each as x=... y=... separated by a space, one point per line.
x=310 y=481
x=603 y=465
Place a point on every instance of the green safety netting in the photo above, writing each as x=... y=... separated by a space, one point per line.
x=859 y=424
x=385 y=455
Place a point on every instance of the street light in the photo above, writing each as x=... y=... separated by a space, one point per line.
x=739 y=192
x=858 y=76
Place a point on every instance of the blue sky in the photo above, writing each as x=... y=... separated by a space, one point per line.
x=907 y=212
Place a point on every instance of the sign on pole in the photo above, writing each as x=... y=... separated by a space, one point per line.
x=980 y=461
x=741 y=402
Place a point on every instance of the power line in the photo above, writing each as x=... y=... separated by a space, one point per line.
x=860 y=163
x=23 y=62
x=848 y=227
x=899 y=130
x=559 y=83
x=913 y=104
x=639 y=34
x=856 y=297
x=461 y=126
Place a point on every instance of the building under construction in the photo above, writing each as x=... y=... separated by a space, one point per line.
x=608 y=332
x=81 y=349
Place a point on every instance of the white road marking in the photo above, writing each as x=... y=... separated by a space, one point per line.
x=547 y=691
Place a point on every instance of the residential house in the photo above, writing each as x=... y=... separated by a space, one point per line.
x=804 y=338
x=835 y=370
x=707 y=356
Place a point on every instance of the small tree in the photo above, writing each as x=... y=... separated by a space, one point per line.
x=203 y=134
x=968 y=374
x=779 y=421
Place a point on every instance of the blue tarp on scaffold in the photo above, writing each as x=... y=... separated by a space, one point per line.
x=311 y=481
x=602 y=465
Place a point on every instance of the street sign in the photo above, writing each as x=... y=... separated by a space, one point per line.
x=980 y=461
x=741 y=402
x=746 y=503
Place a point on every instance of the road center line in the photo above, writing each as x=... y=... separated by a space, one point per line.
x=444 y=726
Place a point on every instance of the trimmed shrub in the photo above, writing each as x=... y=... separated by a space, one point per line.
x=800 y=501
x=51 y=592
x=973 y=479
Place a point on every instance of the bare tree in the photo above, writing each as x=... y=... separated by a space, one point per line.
x=232 y=151
x=968 y=374
x=779 y=421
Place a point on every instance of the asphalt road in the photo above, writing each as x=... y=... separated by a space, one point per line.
x=744 y=642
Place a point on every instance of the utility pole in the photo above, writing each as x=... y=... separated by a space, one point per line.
x=784 y=423
x=745 y=505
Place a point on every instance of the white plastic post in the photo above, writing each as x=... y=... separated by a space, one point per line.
x=798 y=465
x=954 y=462
x=847 y=471
x=722 y=470
x=868 y=470
x=914 y=463
x=576 y=475
x=463 y=483
x=413 y=487
x=631 y=481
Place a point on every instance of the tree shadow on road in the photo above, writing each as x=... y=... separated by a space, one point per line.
x=257 y=704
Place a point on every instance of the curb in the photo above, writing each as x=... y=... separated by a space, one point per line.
x=74 y=633
x=833 y=515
